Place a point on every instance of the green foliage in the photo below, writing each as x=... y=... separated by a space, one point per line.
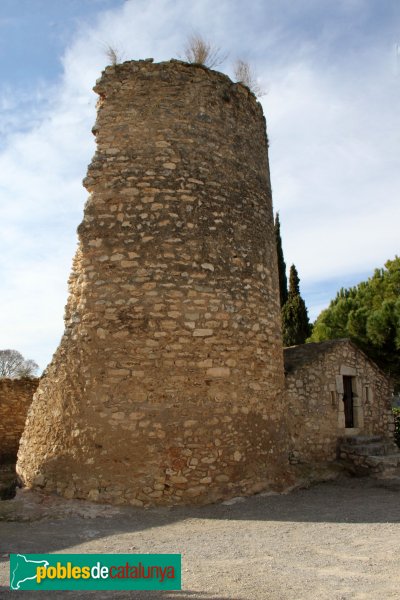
x=295 y=323
x=396 y=414
x=369 y=314
x=283 y=289
x=294 y=282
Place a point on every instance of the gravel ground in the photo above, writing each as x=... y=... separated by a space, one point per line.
x=338 y=541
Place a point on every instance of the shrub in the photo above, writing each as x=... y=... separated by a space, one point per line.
x=113 y=54
x=245 y=74
x=199 y=51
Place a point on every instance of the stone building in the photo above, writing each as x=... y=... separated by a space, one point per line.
x=332 y=390
x=168 y=384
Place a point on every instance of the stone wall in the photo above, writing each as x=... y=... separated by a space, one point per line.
x=167 y=386
x=314 y=395
x=15 y=398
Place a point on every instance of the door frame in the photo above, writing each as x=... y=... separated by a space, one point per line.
x=358 y=409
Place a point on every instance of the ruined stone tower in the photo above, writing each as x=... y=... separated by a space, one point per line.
x=167 y=384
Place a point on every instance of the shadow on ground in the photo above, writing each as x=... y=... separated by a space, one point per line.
x=343 y=501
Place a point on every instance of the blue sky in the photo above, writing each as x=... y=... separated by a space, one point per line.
x=331 y=71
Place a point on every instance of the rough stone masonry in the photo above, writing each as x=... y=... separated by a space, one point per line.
x=15 y=399
x=167 y=386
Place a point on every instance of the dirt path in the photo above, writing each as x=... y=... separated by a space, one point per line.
x=336 y=541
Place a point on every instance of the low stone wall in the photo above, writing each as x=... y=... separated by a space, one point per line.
x=15 y=398
x=314 y=398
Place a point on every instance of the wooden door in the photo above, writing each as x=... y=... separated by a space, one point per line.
x=348 y=401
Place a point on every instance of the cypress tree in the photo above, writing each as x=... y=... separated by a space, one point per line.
x=294 y=282
x=283 y=291
x=295 y=323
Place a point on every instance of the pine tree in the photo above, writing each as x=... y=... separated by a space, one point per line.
x=295 y=323
x=283 y=291
x=369 y=314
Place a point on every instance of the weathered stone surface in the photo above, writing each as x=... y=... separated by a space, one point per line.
x=173 y=307
x=15 y=400
x=219 y=372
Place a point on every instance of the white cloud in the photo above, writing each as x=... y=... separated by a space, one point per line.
x=335 y=166
x=333 y=125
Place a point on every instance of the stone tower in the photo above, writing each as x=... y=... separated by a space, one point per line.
x=167 y=384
